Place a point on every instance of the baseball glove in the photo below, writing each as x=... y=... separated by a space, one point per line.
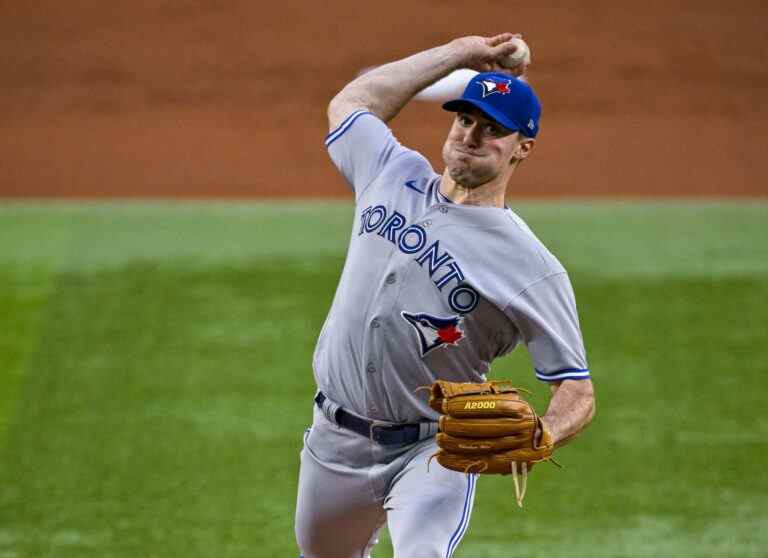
x=489 y=428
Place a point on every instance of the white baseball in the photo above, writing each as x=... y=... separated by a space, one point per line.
x=521 y=56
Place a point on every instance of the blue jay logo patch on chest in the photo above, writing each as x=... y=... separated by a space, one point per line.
x=434 y=331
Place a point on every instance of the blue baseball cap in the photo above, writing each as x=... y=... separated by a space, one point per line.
x=506 y=99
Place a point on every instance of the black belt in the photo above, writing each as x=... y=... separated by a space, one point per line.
x=384 y=434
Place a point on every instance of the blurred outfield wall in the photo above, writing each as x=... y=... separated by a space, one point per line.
x=226 y=99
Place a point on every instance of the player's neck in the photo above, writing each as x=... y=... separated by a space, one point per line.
x=491 y=194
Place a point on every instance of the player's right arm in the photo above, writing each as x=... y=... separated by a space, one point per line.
x=386 y=89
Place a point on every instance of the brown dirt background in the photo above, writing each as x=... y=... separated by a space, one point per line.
x=226 y=99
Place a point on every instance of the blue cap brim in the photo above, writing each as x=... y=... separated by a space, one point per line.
x=458 y=105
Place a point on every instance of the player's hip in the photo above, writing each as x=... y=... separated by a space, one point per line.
x=340 y=439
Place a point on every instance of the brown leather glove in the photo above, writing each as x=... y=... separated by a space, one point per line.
x=489 y=428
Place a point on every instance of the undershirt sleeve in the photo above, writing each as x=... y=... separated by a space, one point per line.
x=545 y=314
x=360 y=147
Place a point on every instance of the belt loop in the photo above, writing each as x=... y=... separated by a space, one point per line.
x=427 y=429
x=329 y=410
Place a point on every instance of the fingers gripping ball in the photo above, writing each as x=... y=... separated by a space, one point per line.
x=488 y=428
x=520 y=57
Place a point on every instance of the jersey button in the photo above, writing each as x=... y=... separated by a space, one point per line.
x=370 y=368
x=391 y=278
x=443 y=209
x=375 y=323
x=426 y=224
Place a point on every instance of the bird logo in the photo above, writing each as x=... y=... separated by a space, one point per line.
x=491 y=86
x=435 y=331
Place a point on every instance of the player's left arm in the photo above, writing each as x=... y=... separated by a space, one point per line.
x=570 y=410
x=546 y=315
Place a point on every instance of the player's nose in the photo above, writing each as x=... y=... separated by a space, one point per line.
x=471 y=136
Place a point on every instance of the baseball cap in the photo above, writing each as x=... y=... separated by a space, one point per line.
x=506 y=99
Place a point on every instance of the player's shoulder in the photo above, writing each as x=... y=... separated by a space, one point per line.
x=527 y=248
x=363 y=132
x=356 y=123
x=394 y=159
x=366 y=152
x=410 y=162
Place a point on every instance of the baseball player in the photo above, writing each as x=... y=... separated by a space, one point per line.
x=441 y=278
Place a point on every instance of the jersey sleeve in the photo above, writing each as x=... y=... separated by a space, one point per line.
x=545 y=314
x=361 y=147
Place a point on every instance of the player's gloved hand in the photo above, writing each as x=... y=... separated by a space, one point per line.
x=489 y=428
x=484 y=54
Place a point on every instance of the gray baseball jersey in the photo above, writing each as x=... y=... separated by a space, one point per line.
x=432 y=289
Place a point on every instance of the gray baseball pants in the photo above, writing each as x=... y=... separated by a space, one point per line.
x=350 y=487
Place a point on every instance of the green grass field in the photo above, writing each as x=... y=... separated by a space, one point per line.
x=155 y=380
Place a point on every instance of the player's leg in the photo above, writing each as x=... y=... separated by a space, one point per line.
x=428 y=512
x=337 y=515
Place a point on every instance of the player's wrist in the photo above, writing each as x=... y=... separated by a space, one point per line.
x=460 y=53
x=544 y=436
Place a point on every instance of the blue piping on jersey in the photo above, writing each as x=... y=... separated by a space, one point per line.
x=464 y=522
x=343 y=127
x=564 y=374
x=439 y=196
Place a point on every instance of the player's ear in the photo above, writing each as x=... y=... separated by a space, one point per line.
x=523 y=149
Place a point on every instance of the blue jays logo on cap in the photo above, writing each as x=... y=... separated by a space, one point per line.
x=491 y=86
x=508 y=100
x=434 y=331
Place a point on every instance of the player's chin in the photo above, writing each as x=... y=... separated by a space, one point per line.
x=465 y=176
x=463 y=165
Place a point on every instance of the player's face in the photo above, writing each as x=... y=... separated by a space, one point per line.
x=478 y=149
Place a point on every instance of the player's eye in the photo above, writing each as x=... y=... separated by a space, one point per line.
x=464 y=120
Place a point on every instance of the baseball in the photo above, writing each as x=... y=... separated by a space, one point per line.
x=521 y=56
